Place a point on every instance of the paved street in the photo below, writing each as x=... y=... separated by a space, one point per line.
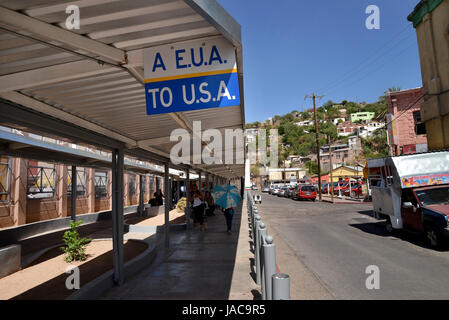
x=338 y=242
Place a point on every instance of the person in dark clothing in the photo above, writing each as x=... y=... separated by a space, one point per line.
x=229 y=213
x=210 y=203
x=154 y=201
x=196 y=199
x=159 y=197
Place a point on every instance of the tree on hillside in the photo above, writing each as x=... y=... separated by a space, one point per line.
x=383 y=98
x=305 y=116
x=375 y=146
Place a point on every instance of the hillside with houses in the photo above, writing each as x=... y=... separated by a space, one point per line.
x=355 y=132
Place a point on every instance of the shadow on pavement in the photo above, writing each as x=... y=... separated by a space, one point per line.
x=378 y=229
x=197 y=265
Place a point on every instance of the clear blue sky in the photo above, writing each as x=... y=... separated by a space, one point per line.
x=295 y=47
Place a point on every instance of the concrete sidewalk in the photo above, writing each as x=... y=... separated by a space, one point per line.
x=344 y=200
x=207 y=265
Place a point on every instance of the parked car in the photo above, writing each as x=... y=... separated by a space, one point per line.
x=308 y=192
x=275 y=191
x=265 y=189
x=289 y=193
x=282 y=191
x=339 y=187
x=326 y=188
x=355 y=191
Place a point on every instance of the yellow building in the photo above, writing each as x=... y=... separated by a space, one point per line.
x=431 y=19
x=343 y=172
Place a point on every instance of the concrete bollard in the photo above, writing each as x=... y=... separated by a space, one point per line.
x=257 y=249
x=262 y=236
x=281 y=286
x=253 y=222
x=269 y=265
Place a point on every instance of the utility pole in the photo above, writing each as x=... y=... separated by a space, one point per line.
x=314 y=96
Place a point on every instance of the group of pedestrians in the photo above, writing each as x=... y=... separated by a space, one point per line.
x=204 y=206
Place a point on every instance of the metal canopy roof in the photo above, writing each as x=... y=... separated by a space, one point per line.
x=93 y=77
x=19 y=145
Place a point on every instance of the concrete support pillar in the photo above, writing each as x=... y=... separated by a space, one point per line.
x=90 y=190
x=61 y=190
x=74 y=188
x=167 y=205
x=117 y=214
x=19 y=176
x=126 y=195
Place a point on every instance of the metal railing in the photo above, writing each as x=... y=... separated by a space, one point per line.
x=275 y=286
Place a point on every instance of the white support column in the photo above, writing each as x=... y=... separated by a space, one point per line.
x=167 y=204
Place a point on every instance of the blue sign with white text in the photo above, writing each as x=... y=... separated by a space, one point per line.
x=177 y=95
x=191 y=75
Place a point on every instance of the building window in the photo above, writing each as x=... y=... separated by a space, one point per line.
x=4 y=178
x=420 y=127
x=101 y=184
x=41 y=180
x=131 y=185
x=80 y=182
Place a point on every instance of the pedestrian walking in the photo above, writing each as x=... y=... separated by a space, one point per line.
x=229 y=214
x=196 y=199
x=209 y=199
x=227 y=197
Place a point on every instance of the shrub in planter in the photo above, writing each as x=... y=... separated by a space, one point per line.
x=75 y=246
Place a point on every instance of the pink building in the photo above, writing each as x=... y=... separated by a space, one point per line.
x=346 y=128
x=406 y=131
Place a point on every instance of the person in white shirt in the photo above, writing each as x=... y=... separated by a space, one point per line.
x=196 y=199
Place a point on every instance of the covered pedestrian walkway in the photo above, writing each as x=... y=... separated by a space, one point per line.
x=86 y=86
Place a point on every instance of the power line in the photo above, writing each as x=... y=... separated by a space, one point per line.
x=376 y=68
x=386 y=48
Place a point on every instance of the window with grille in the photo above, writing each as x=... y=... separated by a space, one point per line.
x=80 y=182
x=420 y=127
x=132 y=185
x=4 y=178
x=101 y=184
x=41 y=180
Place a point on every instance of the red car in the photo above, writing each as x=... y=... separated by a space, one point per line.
x=327 y=187
x=344 y=186
x=356 y=191
x=305 y=192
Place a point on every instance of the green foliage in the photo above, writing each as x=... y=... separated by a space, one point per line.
x=305 y=116
x=312 y=167
x=75 y=246
x=181 y=205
